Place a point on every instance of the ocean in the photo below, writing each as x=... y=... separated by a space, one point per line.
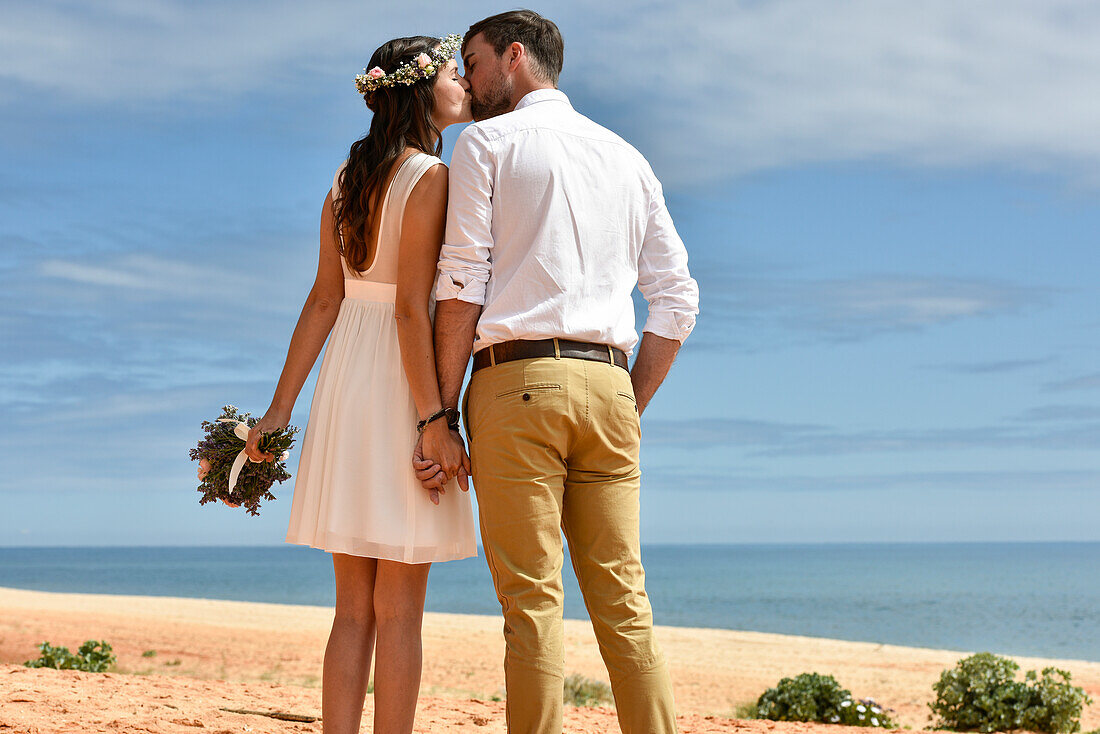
x=1039 y=599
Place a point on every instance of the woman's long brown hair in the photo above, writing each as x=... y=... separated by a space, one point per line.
x=402 y=119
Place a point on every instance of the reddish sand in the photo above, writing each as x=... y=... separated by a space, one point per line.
x=215 y=655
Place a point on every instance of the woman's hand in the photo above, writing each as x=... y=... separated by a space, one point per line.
x=273 y=420
x=428 y=473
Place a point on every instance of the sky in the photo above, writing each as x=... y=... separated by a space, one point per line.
x=891 y=208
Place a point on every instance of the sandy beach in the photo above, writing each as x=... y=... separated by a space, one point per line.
x=188 y=664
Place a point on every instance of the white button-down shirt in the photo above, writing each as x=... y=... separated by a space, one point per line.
x=551 y=221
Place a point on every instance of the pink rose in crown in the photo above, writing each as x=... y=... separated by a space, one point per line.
x=204 y=468
x=376 y=73
x=423 y=60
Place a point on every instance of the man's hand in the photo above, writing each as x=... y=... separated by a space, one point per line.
x=455 y=325
x=467 y=467
x=431 y=475
x=655 y=357
x=438 y=444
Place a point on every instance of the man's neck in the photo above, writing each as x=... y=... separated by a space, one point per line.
x=522 y=91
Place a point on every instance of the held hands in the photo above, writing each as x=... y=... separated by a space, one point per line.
x=447 y=459
x=272 y=421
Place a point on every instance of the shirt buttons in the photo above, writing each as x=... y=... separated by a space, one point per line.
x=526 y=396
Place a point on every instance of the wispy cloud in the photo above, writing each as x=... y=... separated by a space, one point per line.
x=117 y=322
x=137 y=53
x=991 y=367
x=159 y=277
x=1062 y=413
x=690 y=478
x=772 y=439
x=1084 y=382
x=752 y=85
x=777 y=311
x=938 y=83
x=105 y=434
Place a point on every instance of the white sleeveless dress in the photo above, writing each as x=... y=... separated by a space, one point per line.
x=355 y=492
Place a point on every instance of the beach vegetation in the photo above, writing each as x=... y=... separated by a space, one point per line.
x=93 y=656
x=820 y=698
x=581 y=691
x=982 y=693
x=149 y=654
x=745 y=710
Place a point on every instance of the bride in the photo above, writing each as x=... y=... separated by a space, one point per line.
x=377 y=399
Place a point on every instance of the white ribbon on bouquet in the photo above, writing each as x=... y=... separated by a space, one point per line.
x=240 y=430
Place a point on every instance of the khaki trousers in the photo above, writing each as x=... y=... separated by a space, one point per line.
x=554 y=444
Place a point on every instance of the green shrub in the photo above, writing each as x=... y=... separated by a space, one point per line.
x=815 y=697
x=982 y=694
x=1053 y=704
x=581 y=691
x=92 y=657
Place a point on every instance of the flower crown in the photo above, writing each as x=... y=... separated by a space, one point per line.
x=423 y=66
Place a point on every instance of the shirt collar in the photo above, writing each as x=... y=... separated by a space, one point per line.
x=542 y=95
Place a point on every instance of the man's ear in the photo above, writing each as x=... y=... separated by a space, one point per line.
x=516 y=54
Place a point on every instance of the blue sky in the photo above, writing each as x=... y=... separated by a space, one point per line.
x=891 y=209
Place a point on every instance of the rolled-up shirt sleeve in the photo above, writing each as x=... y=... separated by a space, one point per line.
x=466 y=256
x=663 y=277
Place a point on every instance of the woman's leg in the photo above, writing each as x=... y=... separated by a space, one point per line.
x=347 y=657
x=399 y=609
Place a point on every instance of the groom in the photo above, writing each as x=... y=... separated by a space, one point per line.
x=552 y=221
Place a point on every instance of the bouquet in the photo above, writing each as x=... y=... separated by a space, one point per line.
x=226 y=472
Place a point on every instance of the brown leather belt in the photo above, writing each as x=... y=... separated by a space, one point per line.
x=565 y=348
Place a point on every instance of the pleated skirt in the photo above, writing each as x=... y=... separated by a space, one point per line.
x=355 y=491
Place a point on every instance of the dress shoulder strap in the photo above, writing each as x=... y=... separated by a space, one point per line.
x=413 y=168
x=336 y=180
x=392 y=210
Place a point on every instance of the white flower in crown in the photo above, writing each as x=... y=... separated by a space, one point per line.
x=423 y=66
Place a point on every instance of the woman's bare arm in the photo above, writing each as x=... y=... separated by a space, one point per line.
x=314 y=324
x=421 y=238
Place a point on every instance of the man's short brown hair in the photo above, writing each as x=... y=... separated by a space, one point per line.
x=539 y=36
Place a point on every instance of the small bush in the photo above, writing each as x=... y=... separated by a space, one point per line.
x=1053 y=704
x=92 y=657
x=149 y=654
x=981 y=693
x=815 y=697
x=581 y=691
